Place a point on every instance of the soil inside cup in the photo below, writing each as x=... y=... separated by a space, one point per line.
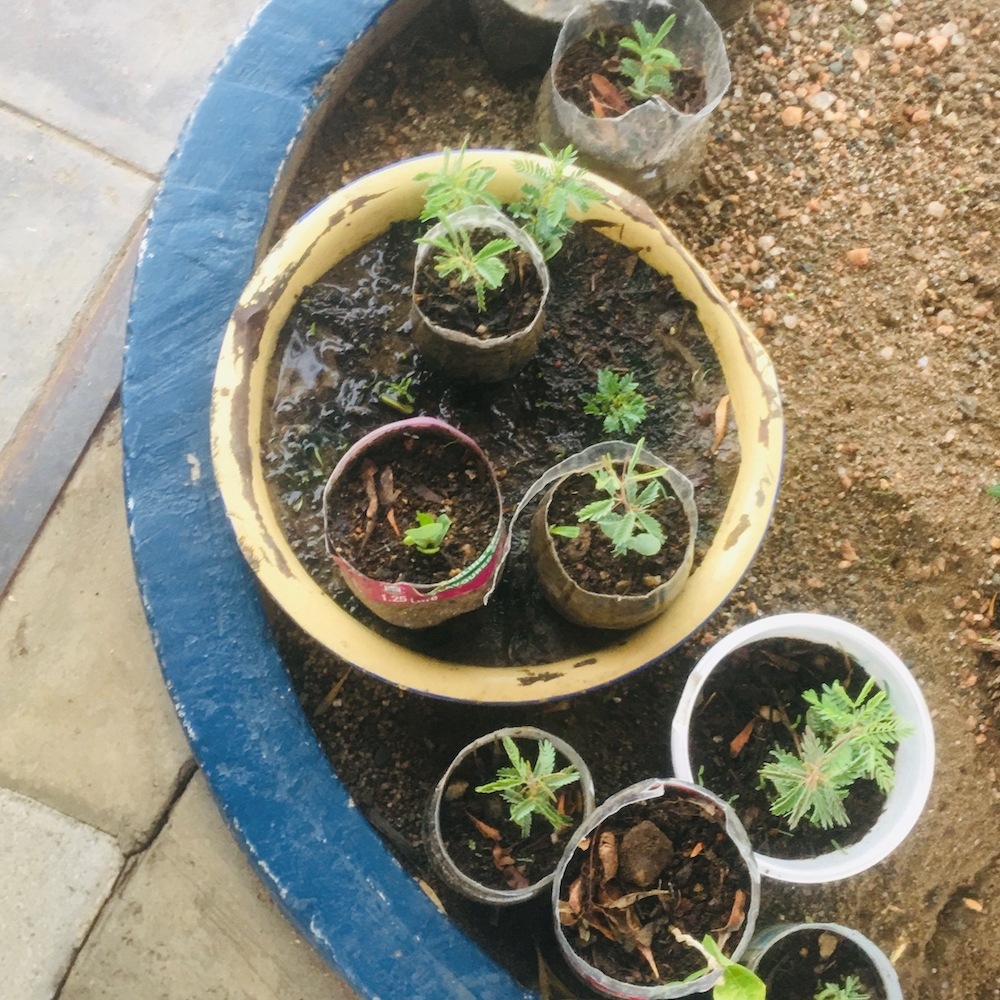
x=589 y=559
x=470 y=818
x=509 y=308
x=769 y=677
x=589 y=75
x=674 y=856
x=801 y=964
x=409 y=474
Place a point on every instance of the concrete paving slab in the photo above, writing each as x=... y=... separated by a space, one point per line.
x=120 y=74
x=64 y=214
x=86 y=724
x=57 y=873
x=193 y=921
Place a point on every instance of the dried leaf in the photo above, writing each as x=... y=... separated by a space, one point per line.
x=696 y=850
x=566 y=915
x=386 y=491
x=739 y=741
x=607 y=851
x=368 y=468
x=501 y=858
x=736 y=916
x=721 y=415
x=623 y=902
x=390 y=516
x=576 y=897
x=484 y=829
x=514 y=878
x=597 y=107
x=608 y=94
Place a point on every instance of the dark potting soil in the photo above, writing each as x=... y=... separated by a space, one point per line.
x=771 y=675
x=513 y=862
x=509 y=308
x=413 y=473
x=589 y=76
x=675 y=845
x=346 y=350
x=795 y=968
x=589 y=559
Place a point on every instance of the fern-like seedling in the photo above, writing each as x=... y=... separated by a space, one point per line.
x=617 y=400
x=552 y=189
x=850 y=989
x=456 y=185
x=531 y=789
x=650 y=72
x=482 y=268
x=844 y=739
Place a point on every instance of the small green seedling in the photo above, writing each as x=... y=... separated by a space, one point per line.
x=551 y=190
x=650 y=73
x=844 y=739
x=850 y=989
x=482 y=268
x=617 y=400
x=737 y=982
x=993 y=491
x=624 y=516
x=397 y=395
x=532 y=789
x=456 y=185
x=429 y=533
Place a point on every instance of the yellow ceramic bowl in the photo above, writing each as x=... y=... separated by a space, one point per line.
x=337 y=227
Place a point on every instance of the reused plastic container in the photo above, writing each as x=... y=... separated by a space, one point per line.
x=419 y=605
x=461 y=355
x=437 y=852
x=767 y=948
x=653 y=149
x=584 y=607
x=643 y=791
x=914 y=758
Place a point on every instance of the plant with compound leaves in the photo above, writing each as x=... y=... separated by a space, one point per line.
x=617 y=400
x=850 y=989
x=483 y=269
x=650 y=73
x=737 y=982
x=530 y=789
x=552 y=189
x=429 y=533
x=844 y=739
x=624 y=515
x=456 y=185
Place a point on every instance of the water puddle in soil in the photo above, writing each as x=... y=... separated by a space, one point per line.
x=347 y=344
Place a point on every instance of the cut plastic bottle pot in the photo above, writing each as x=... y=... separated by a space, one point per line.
x=914 y=758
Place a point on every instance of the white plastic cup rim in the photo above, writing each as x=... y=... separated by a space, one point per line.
x=914 y=759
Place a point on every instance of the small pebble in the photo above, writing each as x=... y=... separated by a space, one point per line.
x=938 y=43
x=902 y=40
x=859 y=7
x=859 y=256
x=887 y=353
x=766 y=243
x=822 y=101
x=958 y=40
x=923 y=362
x=884 y=22
x=792 y=115
x=790 y=321
x=936 y=210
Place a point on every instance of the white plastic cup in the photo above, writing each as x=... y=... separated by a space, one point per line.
x=914 y=759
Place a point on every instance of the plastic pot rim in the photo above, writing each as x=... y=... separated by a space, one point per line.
x=438 y=853
x=913 y=763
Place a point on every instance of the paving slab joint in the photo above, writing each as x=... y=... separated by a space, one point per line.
x=187 y=771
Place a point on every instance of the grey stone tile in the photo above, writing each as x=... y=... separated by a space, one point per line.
x=55 y=874
x=193 y=921
x=64 y=214
x=86 y=724
x=120 y=74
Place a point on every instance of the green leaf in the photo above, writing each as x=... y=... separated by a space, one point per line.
x=738 y=983
x=429 y=534
x=565 y=530
x=645 y=545
x=595 y=511
x=546 y=761
x=993 y=491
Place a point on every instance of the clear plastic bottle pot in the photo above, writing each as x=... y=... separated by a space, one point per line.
x=437 y=851
x=653 y=149
x=914 y=758
x=766 y=945
x=644 y=791
x=460 y=355
x=585 y=607
x=519 y=34
x=417 y=605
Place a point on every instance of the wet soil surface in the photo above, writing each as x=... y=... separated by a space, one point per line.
x=888 y=371
x=379 y=497
x=589 y=559
x=674 y=855
x=800 y=965
x=589 y=75
x=480 y=837
x=346 y=346
x=761 y=685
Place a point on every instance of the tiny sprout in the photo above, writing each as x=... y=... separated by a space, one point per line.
x=993 y=491
x=531 y=789
x=618 y=400
x=849 y=990
x=429 y=533
x=397 y=395
x=737 y=982
x=650 y=75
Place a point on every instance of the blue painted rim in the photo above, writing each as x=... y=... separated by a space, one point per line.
x=324 y=865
